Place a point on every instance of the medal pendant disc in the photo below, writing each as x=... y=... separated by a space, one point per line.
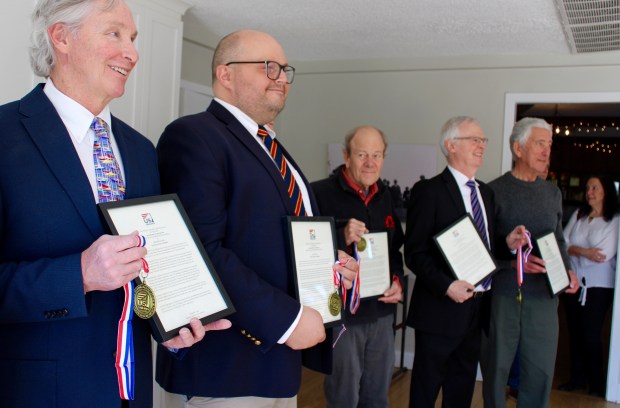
x=361 y=246
x=334 y=304
x=519 y=298
x=144 y=301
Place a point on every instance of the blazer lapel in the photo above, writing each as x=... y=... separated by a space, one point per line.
x=489 y=207
x=49 y=134
x=453 y=190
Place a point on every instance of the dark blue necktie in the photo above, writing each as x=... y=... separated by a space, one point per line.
x=476 y=212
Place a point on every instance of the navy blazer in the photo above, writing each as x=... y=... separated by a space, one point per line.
x=57 y=345
x=436 y=204
x=236 y=200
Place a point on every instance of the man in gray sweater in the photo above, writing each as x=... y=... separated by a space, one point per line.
x=525 y=315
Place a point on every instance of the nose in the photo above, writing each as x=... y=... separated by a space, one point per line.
x=282 y=78
x=130 y=52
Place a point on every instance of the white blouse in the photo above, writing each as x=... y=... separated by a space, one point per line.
x=596 y=233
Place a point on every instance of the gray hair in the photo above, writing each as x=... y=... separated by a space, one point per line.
x=450 y=130
x=49 y=12
x=522 y=131
x=353 y=132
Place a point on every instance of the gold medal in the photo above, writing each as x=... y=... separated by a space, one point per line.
x=519 y=298
x=144 y=301
x=334 y=304
x=361 y=246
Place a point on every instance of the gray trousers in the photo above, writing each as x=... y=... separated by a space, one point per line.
x=363 y=364
x=181 y=401
x=531 y=325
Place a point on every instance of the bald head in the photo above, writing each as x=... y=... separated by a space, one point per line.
x=237 y=46
x=240 y=74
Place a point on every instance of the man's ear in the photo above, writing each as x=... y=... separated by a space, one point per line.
x=58 y=34
x=449 y=145
x=517 y=149
x=223 y=75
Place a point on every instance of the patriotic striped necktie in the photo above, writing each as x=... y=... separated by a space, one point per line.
x=111 y=187
x=476 y=212
x=291 y=184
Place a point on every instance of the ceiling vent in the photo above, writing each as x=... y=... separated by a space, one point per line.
x=591 y=25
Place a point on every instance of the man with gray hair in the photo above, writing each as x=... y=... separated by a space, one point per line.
x=61 y=277
x=524 y=315
x=446 y=313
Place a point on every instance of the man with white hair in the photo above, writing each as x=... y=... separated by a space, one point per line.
x=447 y=313
x=525 y=315
x=61 y=277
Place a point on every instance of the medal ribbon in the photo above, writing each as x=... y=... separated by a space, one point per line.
x=124 y=347
x=522 y=258
x=354 y=300
x=124 y=362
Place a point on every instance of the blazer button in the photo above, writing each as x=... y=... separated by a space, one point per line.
x=242 y=331
x=65 y=312
x=257 y=342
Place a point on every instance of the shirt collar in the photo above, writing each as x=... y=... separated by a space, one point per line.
x=366 y=197
x=76 y=118
x=461 y=179
x=247 y=122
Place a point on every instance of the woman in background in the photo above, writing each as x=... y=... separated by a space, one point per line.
x=592 y=238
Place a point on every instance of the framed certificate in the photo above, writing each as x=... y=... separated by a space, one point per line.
x=466 y=254
x=181 y=277
x=312 y=253
x=557 y=275
x=373 y=251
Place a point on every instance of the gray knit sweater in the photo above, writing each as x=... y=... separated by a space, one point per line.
x=538 y=206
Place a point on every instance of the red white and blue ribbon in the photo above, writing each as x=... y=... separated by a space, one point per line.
x=522 y=257
x=124 y=363
x=124 y=347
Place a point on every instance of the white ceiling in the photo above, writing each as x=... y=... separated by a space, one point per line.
x=316 y=30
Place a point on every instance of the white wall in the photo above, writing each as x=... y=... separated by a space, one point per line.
x=16 y=77
x=411 y=98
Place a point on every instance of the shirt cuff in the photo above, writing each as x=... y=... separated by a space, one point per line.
x=288 y=333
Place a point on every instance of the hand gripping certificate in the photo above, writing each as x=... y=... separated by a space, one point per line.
x=557 y=276
x=374 y=264
x=312 y=254
x=182 y=282
x=466 y=254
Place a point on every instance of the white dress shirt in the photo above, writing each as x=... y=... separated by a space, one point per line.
x=77 y=119
x=461 y=181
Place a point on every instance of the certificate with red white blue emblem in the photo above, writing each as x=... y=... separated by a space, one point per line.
x=312 y=252
x=180 y=274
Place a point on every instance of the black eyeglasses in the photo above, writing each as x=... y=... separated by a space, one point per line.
x=272 y=69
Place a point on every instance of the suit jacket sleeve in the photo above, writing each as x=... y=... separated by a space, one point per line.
x=421 y=253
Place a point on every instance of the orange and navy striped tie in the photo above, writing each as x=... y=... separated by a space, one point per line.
x=291 y=184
